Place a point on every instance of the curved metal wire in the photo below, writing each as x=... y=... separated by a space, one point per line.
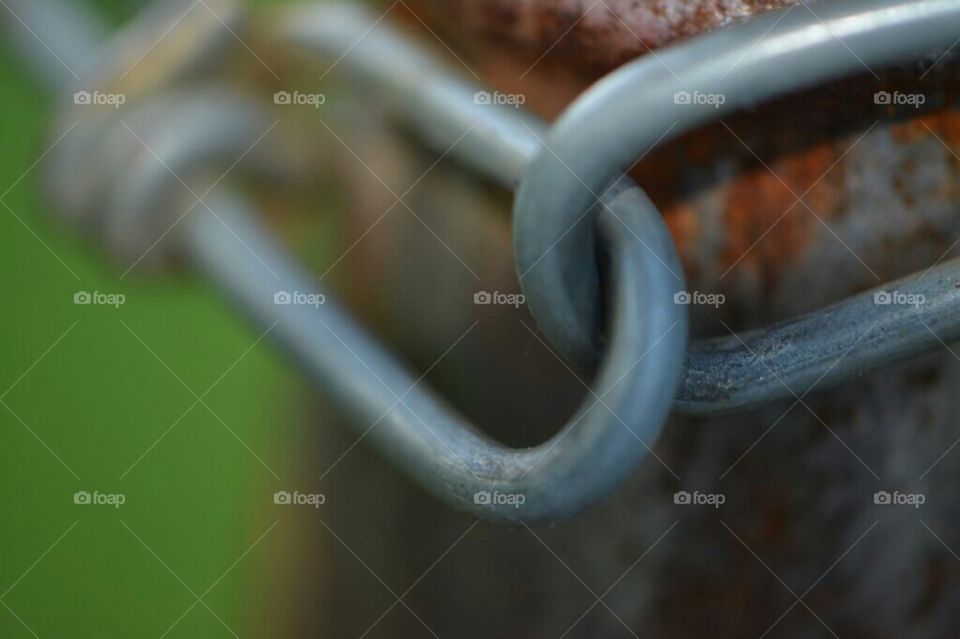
x=751 y=62
x=496 y=140
x=603 y=442
x=631 y=396
x=635 y=108
x=587 y=459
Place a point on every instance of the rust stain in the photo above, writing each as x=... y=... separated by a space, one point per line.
x=772 y=205
x=944 y=124
x=591 y=37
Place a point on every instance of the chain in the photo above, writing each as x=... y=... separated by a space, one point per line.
x=570 y=203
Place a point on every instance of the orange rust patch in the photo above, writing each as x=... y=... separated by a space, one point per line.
x=763 y=211
x=944 y=124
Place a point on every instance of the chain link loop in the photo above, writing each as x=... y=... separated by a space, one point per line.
x=567 y=215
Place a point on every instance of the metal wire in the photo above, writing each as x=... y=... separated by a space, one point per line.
x=497 y=141
x=620 y=118
x=55 y=39
x=641 y=365
x=634 y=109
x=586 y=460
x=415 y=429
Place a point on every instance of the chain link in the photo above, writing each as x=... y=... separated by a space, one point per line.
x=572 y=203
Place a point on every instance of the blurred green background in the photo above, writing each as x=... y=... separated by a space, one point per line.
x=96 y=398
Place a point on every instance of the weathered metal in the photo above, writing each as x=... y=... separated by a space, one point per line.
x=766 y=498
x=131 y=198
x=591 y=38
x=721 y=375
x=713 y=185
x=799 y=478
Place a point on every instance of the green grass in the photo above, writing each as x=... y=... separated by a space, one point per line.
x=90 y=407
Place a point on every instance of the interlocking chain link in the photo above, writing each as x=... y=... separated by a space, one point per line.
x=572 y=201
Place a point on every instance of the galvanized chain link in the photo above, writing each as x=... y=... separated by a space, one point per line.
x=565 y=209
x=634 y=109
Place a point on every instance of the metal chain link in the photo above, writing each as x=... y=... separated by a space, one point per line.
x=634 y=110
x=565 y=209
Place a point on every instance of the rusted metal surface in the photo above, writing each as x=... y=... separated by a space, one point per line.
x=591 y=37
x=799 y=478
x=730 y=191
